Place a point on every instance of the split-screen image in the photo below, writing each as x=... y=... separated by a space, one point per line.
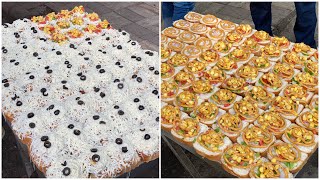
x=159 y=89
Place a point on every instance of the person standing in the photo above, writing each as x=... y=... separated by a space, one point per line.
x=305 y=25
x=172 y=11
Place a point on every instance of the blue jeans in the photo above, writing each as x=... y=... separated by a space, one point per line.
x=304 y=27
x=172 y=11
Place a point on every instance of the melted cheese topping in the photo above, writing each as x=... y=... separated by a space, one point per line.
x=175 y=45
x=171 y=32
x=255 y=136
x=248 y=72
x=182 y=24
x=193 y=16
x=271 y=50
x=211 y=140
x=259 y=94
x=272 y=121
x=285 y=105
x=198 y=28
x=301 y=47
x=233 y=37
x=270 y=170
x=283 y=69
x=187 y=37
x=295 y=92
x=222 y=46
x=178 y=60
x=283 y=42
x=271 y=80
x=209 y=56
x=234 y=83
x=215 y=33
x=169 y=114
x=226 y=63
x=246 y=109
x=168 y=89
x=239 y=156
x=284 y=152
x=293 y=58
x=305 y=79
x=300 y=136
x=261 y=35
x=223 y=96
x=209 y=20
x=227 y=25
x=230 y=123
x=187 y=127
x=183 y=78
x=196 y=66
x=310 y=120
x=165 y=53
x=201 y=86
x=250 y=44
x=186 y=99
x=260 y=62
x=244 y=29
x=167 y=70
x=215 y=75
x=206 y=110
x=311 y=67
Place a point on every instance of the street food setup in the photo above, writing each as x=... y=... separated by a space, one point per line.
x=80 y=95
x=237 y=96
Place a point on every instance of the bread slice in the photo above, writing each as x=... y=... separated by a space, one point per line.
x=213 y=156
x=283 y=170
x=298 y=165
x=292 y=117
x=306 y=149
x=232 y=136
x=299 y=122
x=238 y=172
x=261 y=150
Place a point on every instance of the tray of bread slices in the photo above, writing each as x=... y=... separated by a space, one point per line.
x=80 y=94
x=238 y=96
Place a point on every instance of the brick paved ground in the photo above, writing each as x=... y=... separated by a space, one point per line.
x=141 y=20
x=283 y=19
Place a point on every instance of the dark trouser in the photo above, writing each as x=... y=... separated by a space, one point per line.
x=172 y=11
x=304 y=27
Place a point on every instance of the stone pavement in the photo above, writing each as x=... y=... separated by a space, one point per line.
x=283 y=19
x=140 y=19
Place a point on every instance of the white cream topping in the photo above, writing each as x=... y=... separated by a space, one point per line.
x=76 y=101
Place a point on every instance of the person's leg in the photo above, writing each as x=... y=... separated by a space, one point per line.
x=261 y=16
x=167 y=13
x=306 y=22
x=181 y=9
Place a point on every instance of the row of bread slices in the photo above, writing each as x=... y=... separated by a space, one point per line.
x=300 y=87
x=186 y=45
x=262 y=138
x=248 y=107
x=187 y=92
x=243 y=64
x=219 y=28
x=65 y=24
x=179 y=55
x=205 y=50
